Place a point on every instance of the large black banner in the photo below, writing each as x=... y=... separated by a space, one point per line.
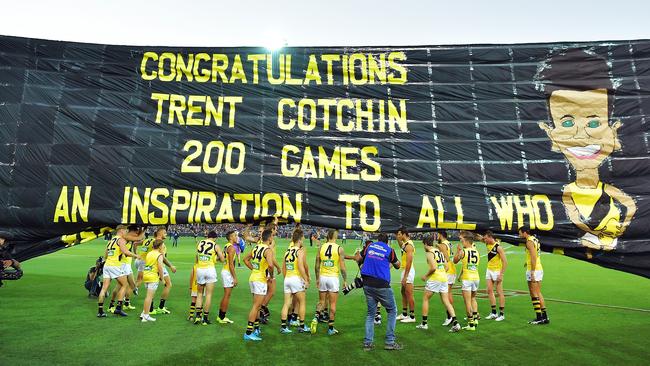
x=553 y=136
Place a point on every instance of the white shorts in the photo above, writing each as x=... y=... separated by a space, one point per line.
x=258 y=288
x=451 y=279
x=492 y=275
x=151 y=285
x=139 y=265
x=113 y=272
x=228 y=280
x=165 y=273
x=470 y=285
x=126 y=267
x=411 y=277
x=293 y=285
x=329 y=284
x=206 y=275
x=436 y=286
x=539 y=276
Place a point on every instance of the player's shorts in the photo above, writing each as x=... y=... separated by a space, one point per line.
x=151 y=285
x=206 y=275
x=436 y=286
x=165 y=273
x=411 y=277
x=492 y=275
x=539 y=276
x=139 y=265
x=258 y=288
x=470 y=285
x=126 y=267
x=113 y=272
x=228 y=280
x=293 y=285
x=329 y=284
x=451 y=279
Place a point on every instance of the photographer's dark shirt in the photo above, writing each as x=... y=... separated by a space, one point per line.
x=377 y=258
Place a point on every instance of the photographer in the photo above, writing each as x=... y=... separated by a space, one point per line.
x=93 y=283
x=377 y=258
x=6 y=260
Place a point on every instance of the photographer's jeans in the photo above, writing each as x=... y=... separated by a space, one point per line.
x=385 y=297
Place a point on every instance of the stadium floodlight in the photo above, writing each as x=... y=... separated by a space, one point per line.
x=274 y=41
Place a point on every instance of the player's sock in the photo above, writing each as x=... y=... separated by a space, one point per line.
x=119 y=306
x=537 y=308
x=294 y=316
x=127 y=302
x=257 y=323
x=494 y=309
x=151 y=306
x=404 y=312
x=301 y=323
x=470 y=320
x=192 y=309
x=199 y=312
x=330 y=324
x=501 y=310
x=100 y=306
x=448 y=315
x=453 y=320
x=424 y=319
x=284 y=323
x=206 y=315
x=544 y=316
x=222 y=314
x=317 y=315
x=249 y=328
x=412 y=314
x=475 y=315
x=162 y=303
x=378 y=313
x=112 y=304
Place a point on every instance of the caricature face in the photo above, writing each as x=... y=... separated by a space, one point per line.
x=580 y=129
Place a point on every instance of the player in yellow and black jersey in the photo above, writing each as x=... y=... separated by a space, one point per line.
x=329 y=264
x=436 y=282
x=496 y=267
x=228 y=275
x=469 y=276
x=534 y=275
x=207 y=254
x=444 y=246
x=296 y=281
x=408 y=276
x=258 y=260
x=115 y=249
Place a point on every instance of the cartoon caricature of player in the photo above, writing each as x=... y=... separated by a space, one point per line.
x=578 y=91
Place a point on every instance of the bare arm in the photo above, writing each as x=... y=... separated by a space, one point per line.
x=160 y=267
x=317 y=265
x=409 y=262
x=219 y=252
x=504 y=261
x=533 y=254
x=247 y=260
x=122 y=244
x=344 y=272
x=302 y=266
x=460 y=253
x=432 y=268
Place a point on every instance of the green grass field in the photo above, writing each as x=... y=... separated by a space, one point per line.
x=598 y=316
